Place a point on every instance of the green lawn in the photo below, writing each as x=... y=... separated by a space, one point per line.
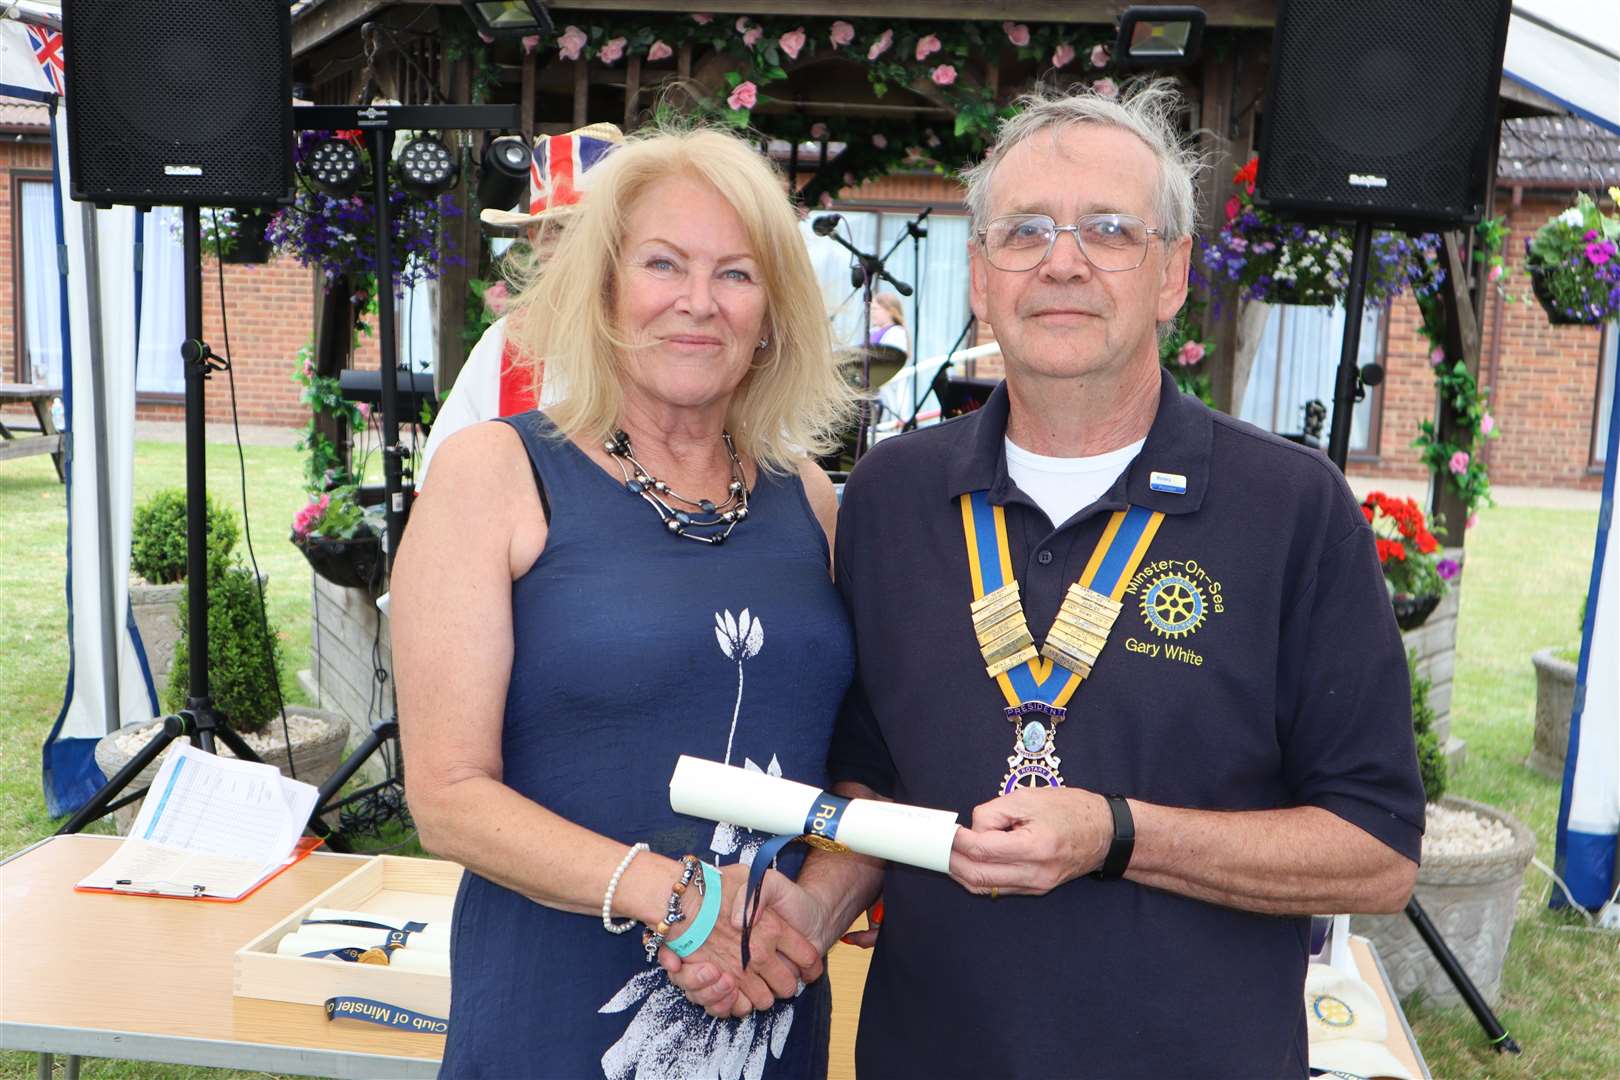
x=33 y=626
x=1527 y=570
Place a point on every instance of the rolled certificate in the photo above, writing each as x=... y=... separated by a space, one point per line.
x=912 y=835
x=431 y=961
x=311 y=937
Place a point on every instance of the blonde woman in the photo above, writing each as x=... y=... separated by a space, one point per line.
x=888 y=323
x=586 y=593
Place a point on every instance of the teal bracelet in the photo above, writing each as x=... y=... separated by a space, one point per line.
x=697 y=933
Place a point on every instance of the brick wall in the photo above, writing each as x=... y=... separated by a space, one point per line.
x=271 y=309
x=271 y=317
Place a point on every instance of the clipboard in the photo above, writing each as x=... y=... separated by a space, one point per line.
x=167 y=890
x=211 y=828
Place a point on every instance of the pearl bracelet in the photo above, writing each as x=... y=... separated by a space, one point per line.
x=613 y=883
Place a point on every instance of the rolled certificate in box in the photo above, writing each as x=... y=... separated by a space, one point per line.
x=310 y=937
x=433 y=961
x=913 y=835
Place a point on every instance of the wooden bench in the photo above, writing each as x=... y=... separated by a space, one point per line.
x=48 y=441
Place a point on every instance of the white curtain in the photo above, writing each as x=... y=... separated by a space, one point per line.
x=831 y=262
x=158 y=367
x=1296 y=363
x=939 y=279
x=42 y=288
x=416 y=313
x=941 y=286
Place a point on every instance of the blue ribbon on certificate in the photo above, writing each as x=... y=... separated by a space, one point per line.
x=820 y=830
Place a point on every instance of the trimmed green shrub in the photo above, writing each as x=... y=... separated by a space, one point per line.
x=244 y=662
x=1431 y=755
x=157 y=549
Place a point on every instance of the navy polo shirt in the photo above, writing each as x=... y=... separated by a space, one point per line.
x=1281 y=682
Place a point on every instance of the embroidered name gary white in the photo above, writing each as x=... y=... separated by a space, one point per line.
x=1174 y=598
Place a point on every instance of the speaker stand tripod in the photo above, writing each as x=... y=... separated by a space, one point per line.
x=198 y=721
x=1347 y=391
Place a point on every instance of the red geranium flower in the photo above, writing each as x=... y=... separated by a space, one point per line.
x=1246 y=175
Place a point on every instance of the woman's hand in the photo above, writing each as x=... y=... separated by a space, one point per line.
x=782 y=948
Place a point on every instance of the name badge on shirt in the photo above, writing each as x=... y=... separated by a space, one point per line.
x=1174 y=483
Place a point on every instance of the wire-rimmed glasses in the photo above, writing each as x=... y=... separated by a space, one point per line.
x=1110 y=242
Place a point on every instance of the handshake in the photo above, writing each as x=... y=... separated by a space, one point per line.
x=1025 y=843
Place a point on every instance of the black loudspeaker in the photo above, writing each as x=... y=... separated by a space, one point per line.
x=1382 y=109
x=184 y=102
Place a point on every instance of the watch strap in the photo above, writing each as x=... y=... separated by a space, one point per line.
x=1124 y=841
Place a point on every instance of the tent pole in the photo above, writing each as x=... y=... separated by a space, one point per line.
x=110 y=624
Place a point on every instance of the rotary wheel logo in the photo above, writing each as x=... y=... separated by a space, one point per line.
x=1174 y=606
x=1332 y=1011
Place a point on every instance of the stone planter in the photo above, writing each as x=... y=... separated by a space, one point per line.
x=314 y=757
x=157 y=617
x=1555 y=701
x=1471 y=899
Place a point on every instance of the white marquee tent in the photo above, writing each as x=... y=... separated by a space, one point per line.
x=108 y=682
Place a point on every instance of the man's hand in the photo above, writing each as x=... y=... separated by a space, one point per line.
x=1030 y=842
x=784 y=948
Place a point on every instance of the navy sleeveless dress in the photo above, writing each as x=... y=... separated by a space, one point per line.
x=632 y=647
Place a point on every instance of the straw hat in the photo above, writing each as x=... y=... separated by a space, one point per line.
x=558 y=174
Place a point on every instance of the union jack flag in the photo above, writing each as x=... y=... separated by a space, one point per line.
x=48 y=51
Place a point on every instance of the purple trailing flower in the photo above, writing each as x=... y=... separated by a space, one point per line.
x=336 y=234
x=1448 y=569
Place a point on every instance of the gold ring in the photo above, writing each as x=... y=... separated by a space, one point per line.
x=995 y=893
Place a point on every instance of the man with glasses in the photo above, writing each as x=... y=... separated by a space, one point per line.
x=1144 y=648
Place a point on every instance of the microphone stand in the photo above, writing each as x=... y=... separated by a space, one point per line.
x=870 y=269
x=918 y=233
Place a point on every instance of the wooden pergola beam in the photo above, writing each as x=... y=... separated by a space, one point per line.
x=1219 y=12
x=330 y=18
x=325 y=21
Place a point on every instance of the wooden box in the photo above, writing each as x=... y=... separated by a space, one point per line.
x=386 y=885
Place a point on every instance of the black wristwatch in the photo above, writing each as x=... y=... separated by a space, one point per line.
x=1124 y=842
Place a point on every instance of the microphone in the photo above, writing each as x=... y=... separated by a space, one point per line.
x=825 y=224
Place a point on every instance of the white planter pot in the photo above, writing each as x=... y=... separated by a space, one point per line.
x=1471 y=899
x=314 y=758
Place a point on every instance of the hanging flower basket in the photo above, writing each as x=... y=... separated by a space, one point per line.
x=1288 y=292
x=1557 y=314
x=251 y=245
x=353 y=563
x=1574 y=263
x=1274 y=258
x=1412 y=612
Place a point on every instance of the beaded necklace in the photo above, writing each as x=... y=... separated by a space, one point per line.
x=720 y=518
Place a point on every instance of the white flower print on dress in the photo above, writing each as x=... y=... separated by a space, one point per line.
x=669 y=1037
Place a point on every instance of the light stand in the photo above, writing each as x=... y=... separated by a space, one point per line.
x=1347 y=391
x=379 y=123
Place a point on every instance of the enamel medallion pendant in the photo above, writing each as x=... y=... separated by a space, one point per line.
x=1034 y=761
